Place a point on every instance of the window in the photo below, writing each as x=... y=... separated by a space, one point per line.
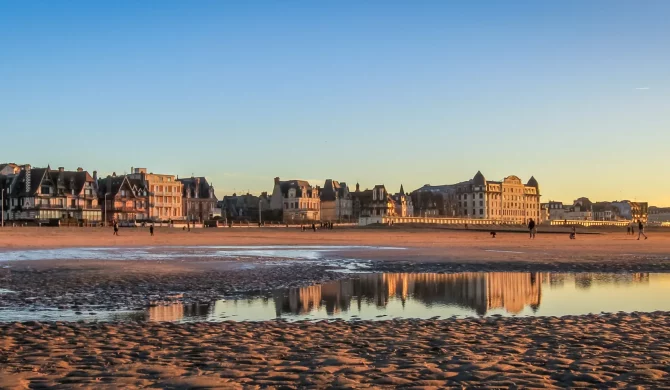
x=481 y=203
x=481 y=211
x=481 y=196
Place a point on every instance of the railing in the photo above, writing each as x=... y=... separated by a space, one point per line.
x=568 y=222
x=127 y=209
x=363 y=221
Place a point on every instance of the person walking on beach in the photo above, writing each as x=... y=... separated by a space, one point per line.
x=628 y=230
x=640 y=230
x=313 y=227
x=116 y=228
x=531 y=228
x=151 y=229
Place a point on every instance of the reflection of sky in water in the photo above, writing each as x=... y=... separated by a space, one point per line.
x=386 y=296
x=313 y=252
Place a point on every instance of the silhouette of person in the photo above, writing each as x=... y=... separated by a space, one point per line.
x=640 y=230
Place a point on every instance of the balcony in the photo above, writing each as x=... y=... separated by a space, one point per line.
x=127 y=209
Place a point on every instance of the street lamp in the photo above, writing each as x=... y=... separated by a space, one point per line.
x=105 y=217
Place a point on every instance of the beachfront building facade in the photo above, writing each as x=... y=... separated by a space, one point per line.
x=198 y=199
x=374 y=202
x=42 y=194
x=404 y=207
x=632 y=210
x=298 y=200
x=336 y=202
x=659 y=214
x=123 y=198
x=165 y=194
x=245 y=207
x=557 y=211
x=507 y=201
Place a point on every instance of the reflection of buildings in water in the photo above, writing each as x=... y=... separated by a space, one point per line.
x=176 y=312
x=173 y=312
x=586 y=280
x=297 y=300
x=557 y=280
x=478 y=291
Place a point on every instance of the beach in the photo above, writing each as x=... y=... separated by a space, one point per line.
x=616 y=350
x=608 y=350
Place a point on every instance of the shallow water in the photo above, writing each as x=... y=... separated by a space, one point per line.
x=411 y=295
x=314 y=252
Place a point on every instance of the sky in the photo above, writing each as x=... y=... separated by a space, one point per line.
x=576 y=93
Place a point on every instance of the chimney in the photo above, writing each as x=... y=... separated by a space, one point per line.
x=80 y=169
x=27 y=168
x=61 y=169
x=358 y=187
x=95 y=176
x=132 y=170
x=276 y=180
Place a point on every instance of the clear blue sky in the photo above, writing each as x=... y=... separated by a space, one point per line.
x=576 y=93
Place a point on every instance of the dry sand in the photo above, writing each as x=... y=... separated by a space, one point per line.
x=591 y=351
x=437 y=245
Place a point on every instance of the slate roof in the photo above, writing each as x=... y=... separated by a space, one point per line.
x=332 y=189
x=116 y=183
x=479 y=179
x=196 y=185
x=65 y=182
x=298 y=185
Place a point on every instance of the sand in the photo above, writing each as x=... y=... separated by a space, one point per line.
x=437 y=245
x=612 y=350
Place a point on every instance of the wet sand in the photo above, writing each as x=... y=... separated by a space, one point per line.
x=137 y=283
x=438 y=245
x=590 y=351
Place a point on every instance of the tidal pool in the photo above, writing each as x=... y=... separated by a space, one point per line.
x=379 y=296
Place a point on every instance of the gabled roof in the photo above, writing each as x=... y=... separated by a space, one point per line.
x=196 y=186
x=69 y=182
x=332 y=190
x=136 y=186
x=298 y=185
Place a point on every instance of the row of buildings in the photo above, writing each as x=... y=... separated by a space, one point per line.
x=44 y=194
x=507 y=201
x=298 y=200
x=583 y=209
